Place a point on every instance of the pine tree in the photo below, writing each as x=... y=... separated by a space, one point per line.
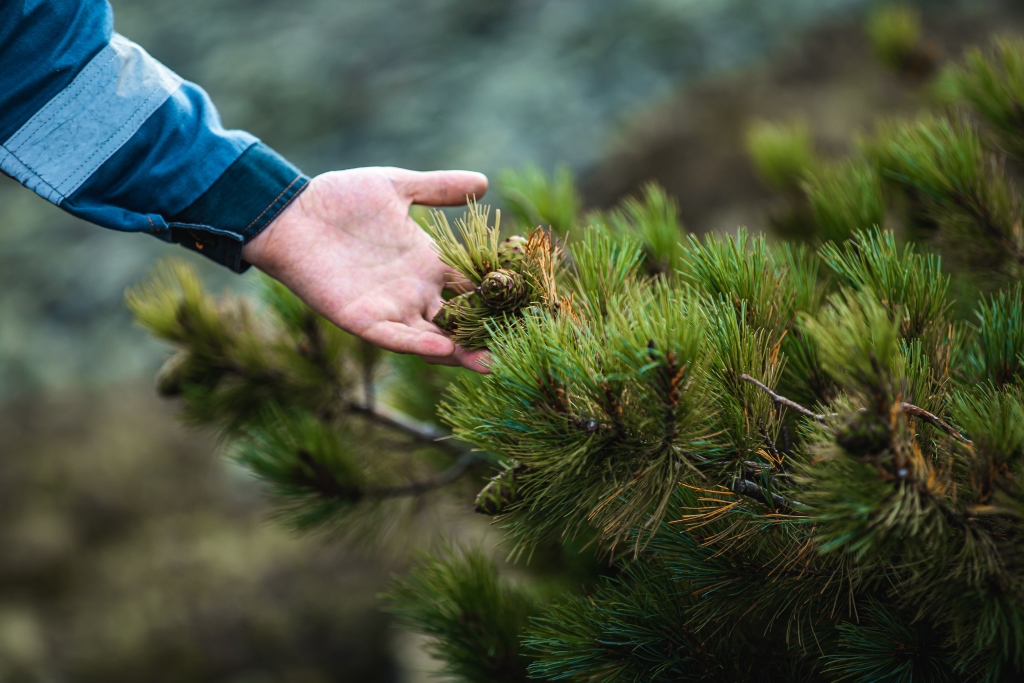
x=798 y=462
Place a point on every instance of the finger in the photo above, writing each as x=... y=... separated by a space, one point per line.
x=450 y=361
x=401 y=338
x=438 y=188
x=477 y=361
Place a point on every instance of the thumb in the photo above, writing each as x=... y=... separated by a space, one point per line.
x=438 y=188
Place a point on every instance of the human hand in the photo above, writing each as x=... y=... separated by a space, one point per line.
x=348 y=248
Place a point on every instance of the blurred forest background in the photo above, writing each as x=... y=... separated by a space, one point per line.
x=129 y=551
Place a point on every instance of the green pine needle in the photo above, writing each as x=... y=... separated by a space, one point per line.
x=653 y=219
x=536 y=200
x=845 y=197
x=894 y=32
x=474 y=617
x=993 y=84
x=472 y=251
x=782 y=153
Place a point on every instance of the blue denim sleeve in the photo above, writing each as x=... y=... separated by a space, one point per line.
x=95 y=125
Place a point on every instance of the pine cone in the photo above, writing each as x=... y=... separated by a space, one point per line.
x=511 y=251
x=453 y=309
x=170 y=377
x=865 y=434
x=503 y=289
x=445 y=318
x=503 y=490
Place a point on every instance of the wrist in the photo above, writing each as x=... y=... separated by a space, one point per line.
x=248 y=196
x=258 y=250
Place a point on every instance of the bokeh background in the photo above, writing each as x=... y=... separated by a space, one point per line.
x=129 y=549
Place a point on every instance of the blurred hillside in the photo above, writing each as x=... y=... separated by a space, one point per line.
x=693 y=143
x=132 y=555
x=130 y=552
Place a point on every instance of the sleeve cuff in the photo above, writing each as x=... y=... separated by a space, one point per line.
x=238 y=206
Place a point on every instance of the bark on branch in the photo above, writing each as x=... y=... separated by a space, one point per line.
x=418 y=431
x=782 y=400
x=747 y=488
x=908 y=408
x=325 y=482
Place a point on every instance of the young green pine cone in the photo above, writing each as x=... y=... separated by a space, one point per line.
x=170 y=377
x=511 y=251
x=864 y=434
x=503 y=490
x=452 y=310
x=503 y=289
x=445 y=318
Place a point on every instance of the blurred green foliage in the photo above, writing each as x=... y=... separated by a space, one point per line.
x=782 y=153
x=895 y=33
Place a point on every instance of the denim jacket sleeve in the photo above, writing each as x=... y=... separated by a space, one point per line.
x=95 y=125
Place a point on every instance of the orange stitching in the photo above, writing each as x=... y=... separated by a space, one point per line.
x=285 y=206
x=256 y=220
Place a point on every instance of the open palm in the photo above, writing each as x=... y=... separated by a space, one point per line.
x=348 y=248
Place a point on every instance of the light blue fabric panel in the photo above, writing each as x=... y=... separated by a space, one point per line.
x=86 y=123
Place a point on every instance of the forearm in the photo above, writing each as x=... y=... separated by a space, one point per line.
x=94 y=124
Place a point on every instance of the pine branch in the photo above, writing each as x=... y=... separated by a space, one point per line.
x=908 y=408
x=782 y=153
x=416 y=488
x=419 y=431
x=747 y=488
x=911 y=409
x=782 y=400
x=474 y=616
x=329 y=487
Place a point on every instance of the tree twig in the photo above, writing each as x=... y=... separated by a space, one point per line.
x=327 y=485
x=911 y=409
x=769 y=444
x=907 y=408
x=782 y=400
x=420 y=431
x=747 y=488
x=416 y=488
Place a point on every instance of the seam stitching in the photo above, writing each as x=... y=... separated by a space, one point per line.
x=285 y=204
x=34 y=174
x=119 y=131
x=271 y=205
x=34 y=131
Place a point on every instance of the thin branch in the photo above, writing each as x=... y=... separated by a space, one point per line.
x=769 y=444
x=416 y=488
x=759 y=469
x=911 y=409
x=908 y=408
x=784 y=433
x=747 y=488
x=420 y=431
x=782 y=400
x=325 y=482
